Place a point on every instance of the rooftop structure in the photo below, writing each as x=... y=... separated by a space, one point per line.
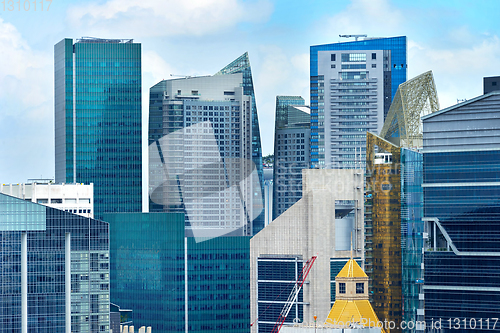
x=414 y=99
x=74 y=198
x=351 y=300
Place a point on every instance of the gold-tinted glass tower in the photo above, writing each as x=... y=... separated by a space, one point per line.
x=383 y=228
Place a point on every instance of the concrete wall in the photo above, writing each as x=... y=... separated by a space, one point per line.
x=308 y=229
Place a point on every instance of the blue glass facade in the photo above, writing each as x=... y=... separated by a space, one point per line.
x=149 y=257
x=47 y=232
x=242 y=65
x=412 y=229
x=462 y=276
x=352 y=95
x=276 y=278
x=98 y=120
x=398 y=48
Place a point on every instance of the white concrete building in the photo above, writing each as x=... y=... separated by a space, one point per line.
x=74 y=198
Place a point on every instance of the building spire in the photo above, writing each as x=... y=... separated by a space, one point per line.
x=351 y=245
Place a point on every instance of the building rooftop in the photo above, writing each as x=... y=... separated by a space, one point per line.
x=352 y=269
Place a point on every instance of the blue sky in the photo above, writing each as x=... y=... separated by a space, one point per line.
x=457 y=40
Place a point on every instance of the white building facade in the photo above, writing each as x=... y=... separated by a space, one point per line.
x=74 y=198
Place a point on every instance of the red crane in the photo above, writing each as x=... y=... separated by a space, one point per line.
x=293 y=295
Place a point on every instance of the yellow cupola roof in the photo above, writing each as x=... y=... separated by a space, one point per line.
x=351 y=269
x=351 y=299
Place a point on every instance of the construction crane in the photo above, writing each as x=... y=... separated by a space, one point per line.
x=293 y=295
x=355 y=36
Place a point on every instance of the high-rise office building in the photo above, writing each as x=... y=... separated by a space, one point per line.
x=352 y=86
x=242 y=65
x=412 y=239
x=291 y=151
x=98 y=120
x=461 y=159
x=383 y=228
x=54 y=270
x=175 y=283
x=201 y=154
x=393 y=202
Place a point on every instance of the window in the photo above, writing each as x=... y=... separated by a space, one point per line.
x=341 y=288
x=333 y=65
x=353 y=57
x=360 y=287
x=374 y=65
x=374 y=56
x=59 y=201
x=494 y=83
x=333 y=58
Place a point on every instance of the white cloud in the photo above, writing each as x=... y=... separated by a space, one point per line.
x=458 y=72
x=166 y=17
x=277 y=73
x=23 y=72
x=372 y=17
x=26 y=105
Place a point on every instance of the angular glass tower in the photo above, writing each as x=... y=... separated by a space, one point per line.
x=242 y=65
x=98 y=120
x=352 y=86
x=200 y=153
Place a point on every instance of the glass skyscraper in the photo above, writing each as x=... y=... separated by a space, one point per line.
x=201 y=163
x=98 y=120
x=291 y=151
x=462 y=216
x=242 y=65
x=352 y=87
x=175 y=283
x=54 y=270
x=412 y=236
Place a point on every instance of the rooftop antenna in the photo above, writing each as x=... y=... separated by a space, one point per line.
x=184 y=76
x=355 y=36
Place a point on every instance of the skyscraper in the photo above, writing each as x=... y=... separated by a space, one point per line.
x=201 y=153
x=175 y=283
x=461 y=160
x=352 y=86
x=54 y=270
x=291 y=151
x=242 y=65
x=98 y=120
